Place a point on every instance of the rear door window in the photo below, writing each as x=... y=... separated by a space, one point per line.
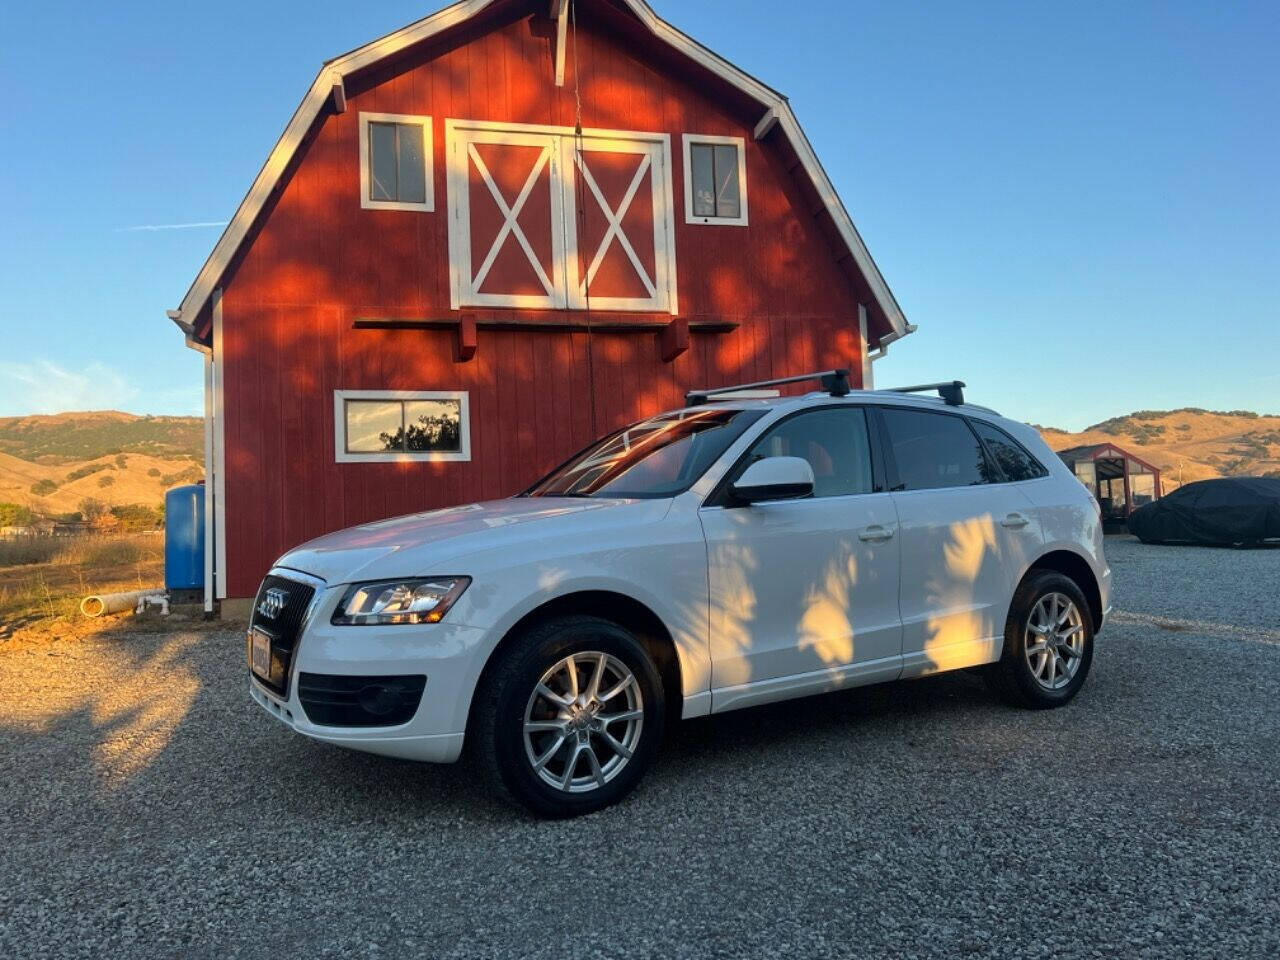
x=1015 y=462
x=934 y=450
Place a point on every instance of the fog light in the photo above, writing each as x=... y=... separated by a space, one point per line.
x=379 y=699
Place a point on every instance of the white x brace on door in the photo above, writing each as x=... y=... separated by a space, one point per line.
x=540 y=218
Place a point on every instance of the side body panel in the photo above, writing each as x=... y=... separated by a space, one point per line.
x=961 y=564
x=796 y=591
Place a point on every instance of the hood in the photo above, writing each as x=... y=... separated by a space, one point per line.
x=428 y=543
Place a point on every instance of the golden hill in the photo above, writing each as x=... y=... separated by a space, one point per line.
x=52 y=463
x=1199 y=444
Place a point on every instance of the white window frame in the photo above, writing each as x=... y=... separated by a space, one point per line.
x=428 y=156
x=705 y=138
x=561 y=143
x=340 y=398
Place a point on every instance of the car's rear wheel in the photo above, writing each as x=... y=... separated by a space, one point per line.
x=1048 y=643
x=569 y=717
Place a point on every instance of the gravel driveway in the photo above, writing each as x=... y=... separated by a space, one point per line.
x=150 y=809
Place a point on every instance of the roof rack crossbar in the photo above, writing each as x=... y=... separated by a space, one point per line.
x=834 y=382
x=951 y=391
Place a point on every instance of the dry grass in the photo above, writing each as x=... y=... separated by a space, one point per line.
x=43 y=580
x=87 y=551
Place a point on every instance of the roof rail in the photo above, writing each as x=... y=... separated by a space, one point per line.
x=951 y=391
x=835 y=382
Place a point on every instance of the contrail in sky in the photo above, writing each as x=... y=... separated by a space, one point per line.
x=149 y=227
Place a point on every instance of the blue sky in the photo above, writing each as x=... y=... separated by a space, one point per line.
x=1079 y=204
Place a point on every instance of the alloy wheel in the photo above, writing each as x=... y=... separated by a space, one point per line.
x=1054 y=640
x=583 y=721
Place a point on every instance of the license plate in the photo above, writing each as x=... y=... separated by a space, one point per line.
x=260 y=654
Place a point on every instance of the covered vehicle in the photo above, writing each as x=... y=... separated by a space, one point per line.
x=1229 y=510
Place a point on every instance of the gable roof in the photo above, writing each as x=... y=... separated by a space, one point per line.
x=1092 y=451
x=777 y=114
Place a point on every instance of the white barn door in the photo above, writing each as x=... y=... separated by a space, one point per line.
x=621 y=248
x=506 y=219
x=540 y=218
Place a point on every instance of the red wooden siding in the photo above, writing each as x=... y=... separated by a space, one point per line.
x=319 y=261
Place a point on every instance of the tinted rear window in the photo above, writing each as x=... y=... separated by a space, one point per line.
x=1015 y=462
x=934 y=450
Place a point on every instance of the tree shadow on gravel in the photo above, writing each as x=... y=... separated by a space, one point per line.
x=337 y=784
x=150 y=714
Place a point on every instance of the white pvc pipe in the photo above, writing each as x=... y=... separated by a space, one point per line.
x=98 y=606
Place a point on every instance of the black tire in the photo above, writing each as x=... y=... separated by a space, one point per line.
x=498 y=716
x=1012 y=676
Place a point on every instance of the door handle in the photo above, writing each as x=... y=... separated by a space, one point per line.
x=1015 y=521
x=875 y=534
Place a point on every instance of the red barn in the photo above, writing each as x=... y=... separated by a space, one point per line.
x=487 y=238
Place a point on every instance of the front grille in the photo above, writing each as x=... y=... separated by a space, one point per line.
x=282 y=624
x=346 y=701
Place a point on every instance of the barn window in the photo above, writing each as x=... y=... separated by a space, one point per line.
x=376 y=426
x=395 y=162
x=715 y=180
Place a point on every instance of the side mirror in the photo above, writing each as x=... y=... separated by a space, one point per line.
x=774 y=478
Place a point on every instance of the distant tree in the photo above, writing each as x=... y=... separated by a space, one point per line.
x=106 y=481
x=153 y=472
x=42 y=488
x=15 y=515
x=105 y=522
x=135 y=516
x=91 y=509
x=121 y=460
x=87 y=470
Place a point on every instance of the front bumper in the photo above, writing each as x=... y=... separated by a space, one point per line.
x=388 y=741
x=451 y=657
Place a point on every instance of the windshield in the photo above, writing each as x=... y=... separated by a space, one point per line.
x=658 y=457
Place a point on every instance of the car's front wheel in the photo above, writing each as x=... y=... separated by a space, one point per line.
x=1048 y=643
x=569 y=716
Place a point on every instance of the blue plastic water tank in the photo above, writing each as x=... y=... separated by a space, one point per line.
x=184 y=537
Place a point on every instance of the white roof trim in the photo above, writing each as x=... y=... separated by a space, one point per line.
x=334 y=71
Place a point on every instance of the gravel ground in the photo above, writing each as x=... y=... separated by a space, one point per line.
x=150 y=809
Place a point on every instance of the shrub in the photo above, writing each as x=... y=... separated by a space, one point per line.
x=91 y=509
x=189 y=475
x=42 y=488
x=135 y=517
x=15 y=515
x=88 y=470
x=24 y=550
x=121 y=460
x=106 y=481
x=153 y=472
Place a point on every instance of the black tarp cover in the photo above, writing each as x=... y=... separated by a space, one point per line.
x=1228 y=510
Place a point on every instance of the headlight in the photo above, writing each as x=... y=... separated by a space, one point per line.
x=425 y=600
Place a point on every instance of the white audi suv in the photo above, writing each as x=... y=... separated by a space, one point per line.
x=732 y=553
